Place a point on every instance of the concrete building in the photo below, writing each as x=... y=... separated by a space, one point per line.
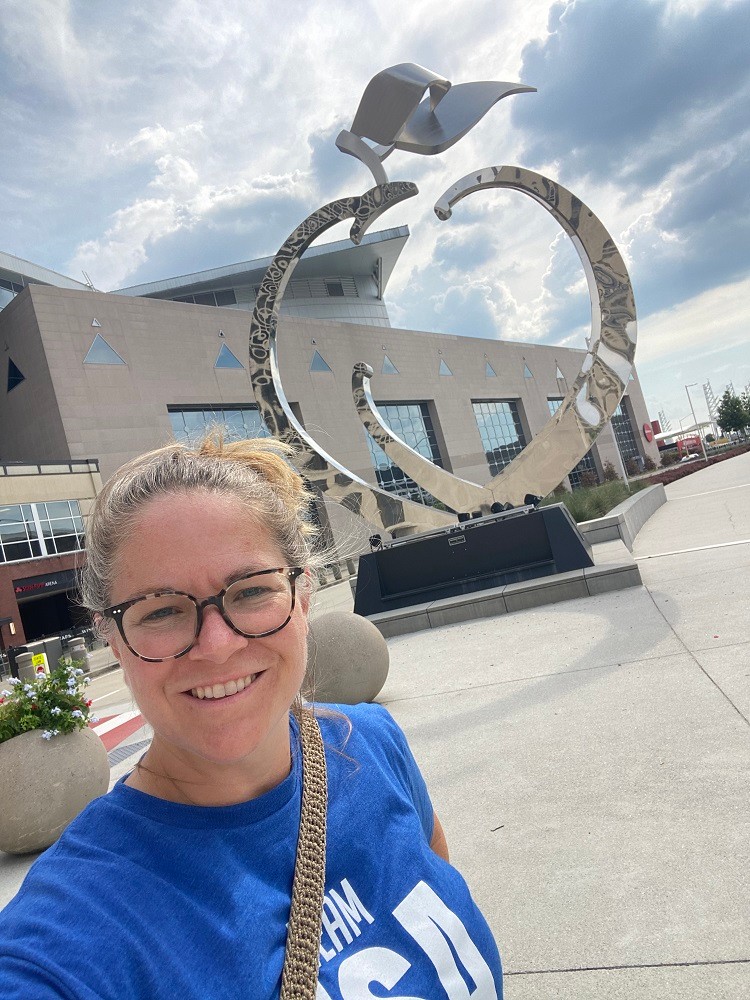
x=102 y=376
x=16 y=274
x=42 y=513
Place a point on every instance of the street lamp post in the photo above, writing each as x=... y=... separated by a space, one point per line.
x=695 y=421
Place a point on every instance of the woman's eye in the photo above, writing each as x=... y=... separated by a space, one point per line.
x=158 y=615
x=249 y=594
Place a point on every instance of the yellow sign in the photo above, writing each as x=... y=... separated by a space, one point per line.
x=39 y=661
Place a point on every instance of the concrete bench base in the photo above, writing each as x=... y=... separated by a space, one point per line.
x=614 y=569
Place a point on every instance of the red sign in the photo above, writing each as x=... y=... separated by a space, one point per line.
x=648 y=432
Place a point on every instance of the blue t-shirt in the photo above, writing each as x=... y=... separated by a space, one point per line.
x=148 y=899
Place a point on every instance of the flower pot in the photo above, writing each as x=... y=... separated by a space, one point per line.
x=44 y=784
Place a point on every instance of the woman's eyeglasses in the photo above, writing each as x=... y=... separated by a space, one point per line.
x=167 y=624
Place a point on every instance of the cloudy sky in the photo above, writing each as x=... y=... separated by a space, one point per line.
x=143 y=140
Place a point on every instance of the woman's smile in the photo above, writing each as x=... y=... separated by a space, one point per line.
x=227 y=689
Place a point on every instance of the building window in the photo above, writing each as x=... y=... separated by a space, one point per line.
x=191 y=423
x=500 y=430
x=226 y=359
x=319 y=364
x=412 y=423
x=29 y=530
x=623 y=428
x=15 y=375
x=587 y=463
x=224 y=297
x=335 y=289
x=101 y=353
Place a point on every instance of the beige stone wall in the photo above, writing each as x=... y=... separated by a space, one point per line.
x=115 y=412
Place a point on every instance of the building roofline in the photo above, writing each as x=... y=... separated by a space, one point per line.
x=26 y=268
x=350 y=258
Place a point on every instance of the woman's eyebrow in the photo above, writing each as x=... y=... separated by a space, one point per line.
x=247 y=571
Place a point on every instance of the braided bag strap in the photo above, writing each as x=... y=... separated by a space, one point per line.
x=299 y=979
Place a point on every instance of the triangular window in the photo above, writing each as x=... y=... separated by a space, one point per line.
x=15 y=376
x=632 y=378
x=559 y=375
x=225 y=359
x=319 y=364
x=95 y=322
x=489 y=371
x=527 y=372
x=444 y=369
x=388 y=367
x=100 y=353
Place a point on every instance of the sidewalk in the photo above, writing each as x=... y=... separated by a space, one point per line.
x=589 y=761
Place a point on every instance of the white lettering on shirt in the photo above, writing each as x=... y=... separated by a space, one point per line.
x=428 y=920
x=342 y=914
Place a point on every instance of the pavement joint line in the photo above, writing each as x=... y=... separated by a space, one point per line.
x=695 y=660
x=538 y=677
x=110 y=695
x=618 y=968
x=708 y=493
x=698 y=548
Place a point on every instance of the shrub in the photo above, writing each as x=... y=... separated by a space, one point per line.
x=610 y=472
x=649 y=464
x=54 y=703
x=668 y=458
x=632 y=467
x=589 y=479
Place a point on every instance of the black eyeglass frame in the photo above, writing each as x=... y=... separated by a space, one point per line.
x=117 y=611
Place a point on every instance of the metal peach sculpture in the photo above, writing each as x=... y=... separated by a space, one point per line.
x=394 y=114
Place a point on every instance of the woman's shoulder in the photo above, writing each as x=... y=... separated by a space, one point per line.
x=368 y=723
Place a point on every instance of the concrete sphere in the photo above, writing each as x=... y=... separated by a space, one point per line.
x=347 y=659
x=44 y=784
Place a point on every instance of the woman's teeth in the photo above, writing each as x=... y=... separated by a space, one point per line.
x=223 y=690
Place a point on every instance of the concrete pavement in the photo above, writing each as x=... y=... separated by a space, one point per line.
x=589 y=761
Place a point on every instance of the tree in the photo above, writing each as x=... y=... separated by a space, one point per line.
x=746 y=405
x=731 y=413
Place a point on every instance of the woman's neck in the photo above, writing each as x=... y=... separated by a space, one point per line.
x=171 y=773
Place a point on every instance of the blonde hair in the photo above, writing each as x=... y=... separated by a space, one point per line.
x=255 y=472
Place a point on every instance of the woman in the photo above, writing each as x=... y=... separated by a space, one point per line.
x=177 y=883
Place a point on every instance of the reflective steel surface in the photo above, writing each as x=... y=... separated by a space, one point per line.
x=606 y=368
x=328 y=478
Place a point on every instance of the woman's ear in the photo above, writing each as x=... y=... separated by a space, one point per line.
x=304 y=589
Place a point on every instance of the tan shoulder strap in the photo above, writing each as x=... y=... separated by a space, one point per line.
x=299 y=979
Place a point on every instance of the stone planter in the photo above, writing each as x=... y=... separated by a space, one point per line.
x=44 y=784
x=347 y=659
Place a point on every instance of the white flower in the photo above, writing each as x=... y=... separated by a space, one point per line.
x=77 y=713
x=14 y=681
x=5 y=694
x=28 y=689
x=94 y=718
x=78 y=673
x=55 y=732
x=56 y=710
x=87 y=681
x=46 y=735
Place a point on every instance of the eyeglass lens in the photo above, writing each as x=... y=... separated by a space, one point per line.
x=160 y=627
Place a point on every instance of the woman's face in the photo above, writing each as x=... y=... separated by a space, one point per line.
x=198 y=543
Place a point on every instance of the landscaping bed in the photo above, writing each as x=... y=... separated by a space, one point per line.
x=679 y=471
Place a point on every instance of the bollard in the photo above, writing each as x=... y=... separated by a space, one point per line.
x=77 y=651
x=26 y=671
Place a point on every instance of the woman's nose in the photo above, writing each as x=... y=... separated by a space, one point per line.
x=216 y=639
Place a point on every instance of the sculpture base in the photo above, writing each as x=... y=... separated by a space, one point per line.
x=469 y=557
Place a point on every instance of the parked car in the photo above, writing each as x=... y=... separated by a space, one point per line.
x=689 y=458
